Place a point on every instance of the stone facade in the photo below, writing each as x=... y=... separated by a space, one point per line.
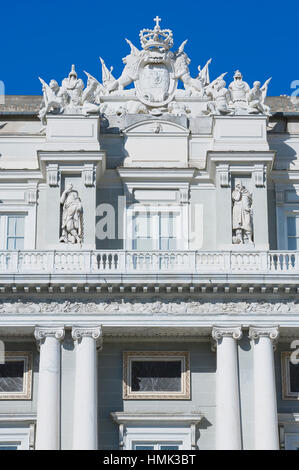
x=160 y=222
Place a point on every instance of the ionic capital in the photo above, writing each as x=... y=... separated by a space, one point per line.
x=42 y=332
x=220 y=332
x=95 y=333
x=256 y=332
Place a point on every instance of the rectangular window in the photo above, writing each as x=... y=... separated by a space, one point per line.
x=154 y=231
x=157 y=446
x=12 y=227
x=16 y=376
x=290 y=377
x=156 y=375
x=293 y=232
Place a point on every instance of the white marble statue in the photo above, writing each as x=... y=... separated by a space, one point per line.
x=91 y=95
x=73 y=86
x=129 y=73
x=256 y=98
x=239 y=91
x=71 y=227
x=219 y=105
x=108 y=79
x=53 y=99
x=242 y=214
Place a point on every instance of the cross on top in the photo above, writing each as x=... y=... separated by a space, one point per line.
x=157 y=20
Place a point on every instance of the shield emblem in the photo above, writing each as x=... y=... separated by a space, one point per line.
x=155 y=85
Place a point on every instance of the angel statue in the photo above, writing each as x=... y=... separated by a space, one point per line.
x=256 y=98
x=71 y=227
x=53 y=100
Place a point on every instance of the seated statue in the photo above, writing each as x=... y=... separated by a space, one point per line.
x=256 y=98
x=220 y=98
x=53 y=100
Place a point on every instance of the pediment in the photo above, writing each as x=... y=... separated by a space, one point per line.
x=156 y=127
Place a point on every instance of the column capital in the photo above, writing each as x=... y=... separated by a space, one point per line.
x=42 y=332
x=220 y=332
x=96 y=333
x=256 y=332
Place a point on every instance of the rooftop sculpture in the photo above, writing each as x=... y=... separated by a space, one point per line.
x=155 y=71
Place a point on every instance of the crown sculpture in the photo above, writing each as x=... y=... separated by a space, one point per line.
x=155 y=71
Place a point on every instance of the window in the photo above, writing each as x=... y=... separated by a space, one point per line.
x=293 y=232
x=290 y=378
x=291 y=441
x=12 y=231
x=154 y=231
x=16 y=376
x=156 y=375
x=15 y=437
x=157 y=445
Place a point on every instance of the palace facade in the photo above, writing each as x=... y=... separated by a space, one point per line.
x=149 y=266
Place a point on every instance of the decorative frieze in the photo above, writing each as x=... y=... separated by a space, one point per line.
x=150 y=306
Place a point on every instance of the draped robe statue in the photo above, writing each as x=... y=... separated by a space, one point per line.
x=71 y=227
x=242 y=217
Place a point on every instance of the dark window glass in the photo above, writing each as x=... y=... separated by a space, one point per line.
x=156 y=376
x=294 y=377
x=11 y=376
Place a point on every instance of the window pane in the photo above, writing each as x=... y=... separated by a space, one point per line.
x=294 y=377
x=11 y=244
x=11 y=226
x=292 y=243
x=20 y=226
x=156 y=376
x=19 y=244
x=169 y=447
x=144 y=447
x=11 y=376
x=143 y=244
x=141 y=225
x=8 y=447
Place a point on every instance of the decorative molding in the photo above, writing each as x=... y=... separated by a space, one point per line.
x=259 y=175
x=40 y=333
x=52 y=174
x=268 y=332
x=88 y=174
x=95 y=333
x=153 y=305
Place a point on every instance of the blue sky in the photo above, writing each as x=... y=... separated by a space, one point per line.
x=44 y=38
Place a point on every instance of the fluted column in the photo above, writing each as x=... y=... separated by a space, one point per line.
x=228 y=422
x=48 y=401
x=265 y=404
x=85 y=431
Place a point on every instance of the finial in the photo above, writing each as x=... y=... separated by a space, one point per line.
x=157 y=20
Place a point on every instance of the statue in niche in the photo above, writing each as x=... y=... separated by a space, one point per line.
x=239 y=91
x=256 y=98
x=53 y=100
x=71 y=227
x=73 y=87
x=242 y=215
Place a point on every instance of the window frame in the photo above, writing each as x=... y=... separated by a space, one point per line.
x=15 y=436
x=26 y=393
x=287 y=394
x=153 y=209
x=4 y=227
x=182 y=356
